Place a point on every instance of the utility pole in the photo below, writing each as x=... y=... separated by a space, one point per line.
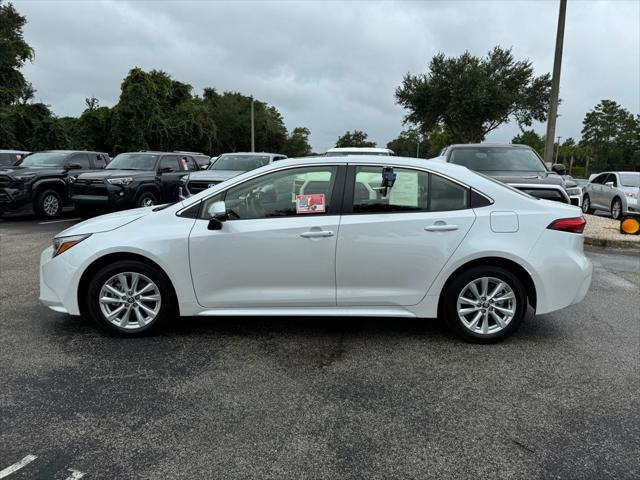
x=418 y=146
x=557 y=149
x=555 y=85
x=253 y=129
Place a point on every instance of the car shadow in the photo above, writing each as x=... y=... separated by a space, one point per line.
x=533 y=329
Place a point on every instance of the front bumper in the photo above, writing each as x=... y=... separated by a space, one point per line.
x=15 y=200
x=60 y=277
x=103 y=197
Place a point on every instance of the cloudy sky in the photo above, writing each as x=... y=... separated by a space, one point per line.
x=329 y=66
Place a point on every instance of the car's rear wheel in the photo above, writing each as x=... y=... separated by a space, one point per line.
x=586 y=205
x=147 y=199
x=485 y=304
x=616 y=209
x=130 y=298
x=48 y=204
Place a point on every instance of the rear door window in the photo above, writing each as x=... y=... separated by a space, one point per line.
x=170 y=162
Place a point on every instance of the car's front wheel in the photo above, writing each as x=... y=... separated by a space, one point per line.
x=586 y=205
x=485 y=304
x=130 y=297
x=147 y=199
x=48 y=204
x=616 y=209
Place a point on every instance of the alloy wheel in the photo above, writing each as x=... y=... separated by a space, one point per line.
x=148 y=202
x=130 y=300
x=586 y=203
x=616 y=209
x=51 y=205
x=486 y=305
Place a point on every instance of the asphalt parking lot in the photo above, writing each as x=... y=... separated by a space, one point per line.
x=317 y=398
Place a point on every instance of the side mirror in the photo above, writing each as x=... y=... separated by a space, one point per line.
x=549 y=165
x=74 y=166
x=609 y=184
x=204 y=167
x=559 y=168
x=218 y=213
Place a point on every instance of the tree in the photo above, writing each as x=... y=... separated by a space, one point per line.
x=531 y=138
x=613 y=135
x=472 y=96
x=297 y=143
x=14 y=52
x=406 y=144
x=355 y=139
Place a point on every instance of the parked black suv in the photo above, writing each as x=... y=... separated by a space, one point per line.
x=516 y=165
x=40 y=182
x=136 y=179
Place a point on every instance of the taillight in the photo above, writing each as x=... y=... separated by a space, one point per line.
x=572 y=225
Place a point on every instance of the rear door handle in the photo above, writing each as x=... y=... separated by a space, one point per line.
x=441 y=228
x=317 y=234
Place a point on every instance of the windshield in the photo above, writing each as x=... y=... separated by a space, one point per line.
x=497 y=159
x=133 y=161
x=630 y=179
x=44 y=159
x=239 y=163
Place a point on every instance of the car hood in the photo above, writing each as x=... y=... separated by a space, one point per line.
x=214 y=175
x=37 y=170
x=543 y=178
x=106 y=223
x=116 y=173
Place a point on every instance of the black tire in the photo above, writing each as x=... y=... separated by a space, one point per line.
x=146 y=199
x=48 y=204
x=456 y=287
x=586 y=205
x=167 y=307
x=616 y=214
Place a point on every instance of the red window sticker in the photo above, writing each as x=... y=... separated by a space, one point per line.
x=313 y=203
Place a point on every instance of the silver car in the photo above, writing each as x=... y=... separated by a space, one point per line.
x=224 y=167
x=613 y=192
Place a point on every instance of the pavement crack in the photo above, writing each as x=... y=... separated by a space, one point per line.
x=523 y=446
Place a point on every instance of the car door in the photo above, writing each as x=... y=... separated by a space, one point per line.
x=394 y=242
x=609 y=191
x=170 y=169
x=595 y=190
x=277 y=247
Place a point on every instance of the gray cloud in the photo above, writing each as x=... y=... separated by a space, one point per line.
x=329 y=66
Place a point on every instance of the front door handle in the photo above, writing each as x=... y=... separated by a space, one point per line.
x=441 y=227
x=317 y=234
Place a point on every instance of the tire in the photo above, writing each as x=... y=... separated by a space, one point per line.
x=486 y=311
x=616 y=209
x=586 y=205
x=48 y=204
x=158 y=299
x=146 y=199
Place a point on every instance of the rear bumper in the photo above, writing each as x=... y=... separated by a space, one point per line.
x=563 y=271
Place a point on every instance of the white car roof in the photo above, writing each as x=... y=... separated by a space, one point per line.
x=360 y=150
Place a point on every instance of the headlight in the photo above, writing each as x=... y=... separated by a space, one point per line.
x=120 y=180
x=574 y=191
x=631 y=195
x=26 y=178
x=72 y=178
x=62 y=244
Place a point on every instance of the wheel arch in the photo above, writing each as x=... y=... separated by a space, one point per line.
x=510 y=265
x=107 y=259
x=55 y=184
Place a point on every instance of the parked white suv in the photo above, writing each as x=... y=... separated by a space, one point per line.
x=613 y=192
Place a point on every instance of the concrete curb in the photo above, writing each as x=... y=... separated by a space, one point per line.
x=612 y=243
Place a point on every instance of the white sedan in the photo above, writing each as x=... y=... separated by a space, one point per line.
x=345 y=236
